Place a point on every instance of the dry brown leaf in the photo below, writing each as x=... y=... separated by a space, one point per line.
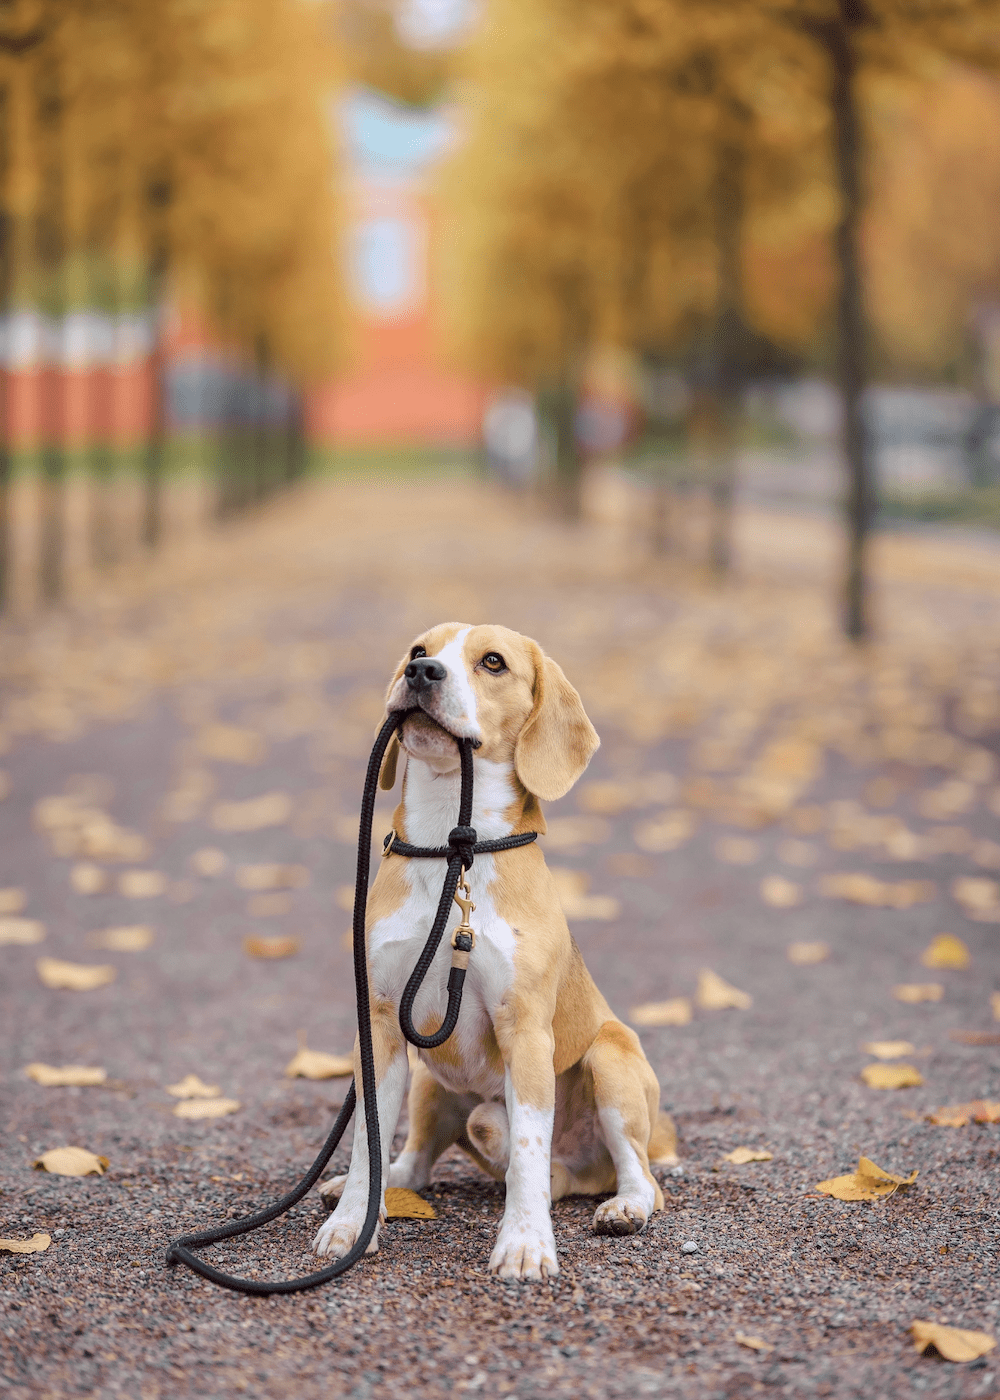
x=979 y=897
x=130 y=938
x=737 y=850
x=401 y=1204
x=868 y=1183
x=945 y=950
x=35 y=1245
x=228 y=743
x=808 y=954
x=205 y=1108
x=860 y=888
x=741 y=1155
x=271 y=809
x=954 y=1343
x=55 y=1077
x=141 y=884
x=191 y=1087
x=71 y=1161
x=21 y=931
x=88 y=878
x=959 y=1114
x=209 y=861
x=74 y=977
x=317 y=1064
x=975 y=1037
x=12 y=900
x=675 y=1011
x=888 y=1049
x=272 y=877
x=780 y=893
x=882 y=1076
x=665 y=833
x=914 y=992
x=260 y=946
x=754 y=1343
x=714 y=994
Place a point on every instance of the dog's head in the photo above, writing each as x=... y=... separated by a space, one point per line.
x=498 y=689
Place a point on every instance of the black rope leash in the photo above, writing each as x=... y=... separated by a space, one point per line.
x=460 y=852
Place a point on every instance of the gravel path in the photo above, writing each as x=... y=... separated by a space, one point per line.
x=283 y=634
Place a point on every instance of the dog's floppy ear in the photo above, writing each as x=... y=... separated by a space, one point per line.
x=387 y=772
x=557 y=740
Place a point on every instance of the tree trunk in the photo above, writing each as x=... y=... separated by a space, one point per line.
x=50 y=252
x=727 y=343
x=568 y=465
x=853 y=354
x=295 y=438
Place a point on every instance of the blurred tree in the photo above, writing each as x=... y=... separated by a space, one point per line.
x=377 y=55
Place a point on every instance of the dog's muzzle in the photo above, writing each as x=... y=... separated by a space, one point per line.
x=423 y=673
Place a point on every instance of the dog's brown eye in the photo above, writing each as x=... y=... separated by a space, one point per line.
x=417 y=651
x=494 y=662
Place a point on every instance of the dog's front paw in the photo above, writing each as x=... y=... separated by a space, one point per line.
x=522 y=1254
x=338 y=1235
x=332 y=1190
x=619 y=1216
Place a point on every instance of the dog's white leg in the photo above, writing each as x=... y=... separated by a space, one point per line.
x=627 y=1211
x=339 y=1233
x=526 y=1246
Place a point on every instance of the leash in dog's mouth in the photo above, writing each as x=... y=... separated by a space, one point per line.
x=460 y=852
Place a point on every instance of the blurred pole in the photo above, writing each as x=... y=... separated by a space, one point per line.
x=50 y=258
x=6 y=285
x=853 y=356
x=157 y=201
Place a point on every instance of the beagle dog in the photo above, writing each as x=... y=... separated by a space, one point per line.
x=540 y=1083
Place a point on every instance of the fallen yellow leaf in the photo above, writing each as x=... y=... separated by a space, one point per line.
x=979 y=897
x=665 y=833
x=22 y=931
x=995 y=1005
x=868 y=1183
x=205 y=1108
x=807 y=954
x=35 y=1245
x=71 y=1161
x=317 y=1064
x=889 y=1049
x=401 y=1204
x=88 y=878
x=954 y=1343
x=141 y=884
x=741 y=1155
x=891 y=1076
x=272 y=877
x=271 y=809
x=571 y=886
x=860 y=888
x=53 y=1077
x=945 y=951
x=12 y=900
x=918 y=991
x=191 y=1087
x=754 y=1343
x=277 y=947
x=959 y=1114
x=130 y=938
x=74 y=977
x=228 y=743
x=209 y=861
x=780 y=893
x=714 y=994
x=675 y=1011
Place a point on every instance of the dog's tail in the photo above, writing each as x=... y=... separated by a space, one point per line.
x=663 y=1141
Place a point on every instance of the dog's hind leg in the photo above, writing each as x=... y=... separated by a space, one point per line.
x=627 y=1095
x=437 y=1120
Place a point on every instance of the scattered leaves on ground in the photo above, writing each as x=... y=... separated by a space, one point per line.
x=74 y=977
x=401 y=1204
x=959 y=1114
x=129 y=938
x=807 y=954
x=71 y=1161
x=975 y=1037
x=12 y=900
x=141 y=884
x=714 y=994
x=269 y=906
x=945 y=950
x=979 y=897
x=914 y=992
x=22 y=931
x=888 y=1049
x=801 y=853
x=882 y=1076
x=741 y=1155
x=954 y=1343
x=271 y=809
x=780 y=893
x=569 y=833
x=53 y=1076
x=859 y=888
x=88 y=878
x=205 y=1108
x=609 y=797
x=35 y=1245
x=228 y=743
x=754 y=1343
x=277 y=946
x=675 y=1011
x=737 y=850
x=191 y=1087
x=209 y=861
x=666 y=832
x=272 y=877
x=317 y=1064
x=571 y=886
x=868 y=1183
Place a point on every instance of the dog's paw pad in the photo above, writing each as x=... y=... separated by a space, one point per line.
x=619 y=1216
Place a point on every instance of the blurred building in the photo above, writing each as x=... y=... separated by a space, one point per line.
x=396 y=392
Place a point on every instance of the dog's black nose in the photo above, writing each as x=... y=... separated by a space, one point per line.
x=424 y=672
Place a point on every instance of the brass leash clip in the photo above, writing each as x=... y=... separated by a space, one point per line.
x=464 y=930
